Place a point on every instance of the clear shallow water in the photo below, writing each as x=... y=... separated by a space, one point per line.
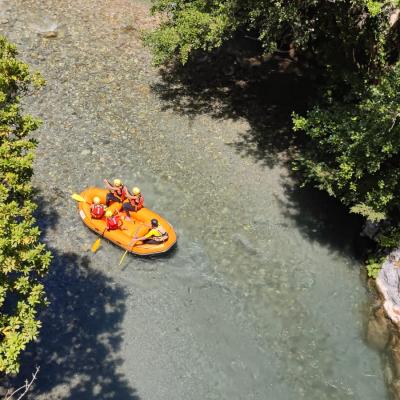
x=261 y=299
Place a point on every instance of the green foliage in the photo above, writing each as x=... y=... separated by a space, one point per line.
x=354 y=149
x=374 y=265
x=389 y=237
x=188 y=26
x=345 y=33
x=368 y=212
x=23 y=260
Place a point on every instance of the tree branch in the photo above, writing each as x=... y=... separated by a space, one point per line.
x=393 y=123
x=27 y=386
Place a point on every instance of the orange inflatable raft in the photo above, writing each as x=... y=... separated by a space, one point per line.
x=138 y=226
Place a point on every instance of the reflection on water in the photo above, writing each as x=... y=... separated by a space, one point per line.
x=263 y=254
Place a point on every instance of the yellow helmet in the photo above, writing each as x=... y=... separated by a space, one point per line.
x=135 y=190
x=117 y=182
x=109 y=213
x=96 y=200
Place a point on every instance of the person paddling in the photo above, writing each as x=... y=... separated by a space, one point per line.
x=117 y=191
x=156 y=235
x=113 y=221
x=134 y=203
x=97 y=210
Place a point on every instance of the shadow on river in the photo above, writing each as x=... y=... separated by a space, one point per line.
x=238 y=82
x=81 y=334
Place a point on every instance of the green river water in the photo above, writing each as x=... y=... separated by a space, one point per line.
x=261 y=299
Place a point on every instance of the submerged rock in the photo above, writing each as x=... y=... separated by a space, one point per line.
x=244 y=242
x=50 y=34
x=378 y=332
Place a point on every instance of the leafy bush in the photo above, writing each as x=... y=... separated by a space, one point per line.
x=338 y=33
x=354 y=149
x=374 y=265
x=23 y=260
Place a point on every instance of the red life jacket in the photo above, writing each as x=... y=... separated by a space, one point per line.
x=137 y=202
x=97 y=211
x=120 y=193
x=113 y=223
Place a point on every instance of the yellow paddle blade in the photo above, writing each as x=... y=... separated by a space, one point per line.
x=122 y=258
x=77 y=197
x=96 y=245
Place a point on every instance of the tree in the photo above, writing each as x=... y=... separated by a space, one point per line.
x=23 y=259
x=354 y=148
x=343 y=33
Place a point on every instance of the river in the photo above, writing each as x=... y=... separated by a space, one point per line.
x=261 y=299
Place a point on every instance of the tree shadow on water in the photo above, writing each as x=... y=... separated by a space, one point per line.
x=81 y=335
x=239 y=82
x=323 y=219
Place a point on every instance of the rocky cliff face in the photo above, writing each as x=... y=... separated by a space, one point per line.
x=384 y=324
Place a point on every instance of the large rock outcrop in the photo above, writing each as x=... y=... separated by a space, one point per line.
x=384 y=323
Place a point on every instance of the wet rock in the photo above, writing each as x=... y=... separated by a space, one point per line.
x=128 y=28
x=247 y=245
x=388 y=284
x=378 y=332
x=49 y=34
x=395 y=357
x=395 y=389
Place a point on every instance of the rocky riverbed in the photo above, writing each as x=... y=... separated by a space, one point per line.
x=262 y=296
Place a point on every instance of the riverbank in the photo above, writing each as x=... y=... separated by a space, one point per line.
x=384 y=322
x=265 y=302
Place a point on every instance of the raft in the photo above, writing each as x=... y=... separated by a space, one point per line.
x=138 y=226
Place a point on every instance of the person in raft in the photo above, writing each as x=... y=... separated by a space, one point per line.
x=97 y=210
x=156 y=235
x=134 y=203
x=117 y=191
x=113 y=221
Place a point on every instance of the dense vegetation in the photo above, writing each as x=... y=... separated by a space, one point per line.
x=352 y=134
x=23 y=260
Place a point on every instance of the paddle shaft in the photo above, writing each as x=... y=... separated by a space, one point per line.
x=126 y=251
x=96 y=244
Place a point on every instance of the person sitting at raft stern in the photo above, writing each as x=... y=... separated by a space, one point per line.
x=156 y=235
x=97 y=210
x=117 y=191
x=113 y=221
x=134 y=203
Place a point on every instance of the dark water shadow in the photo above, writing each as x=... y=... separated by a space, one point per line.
x=323 y=219
x=81 y=337
x=239 y=82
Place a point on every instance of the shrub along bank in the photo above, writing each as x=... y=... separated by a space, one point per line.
x=23 y=259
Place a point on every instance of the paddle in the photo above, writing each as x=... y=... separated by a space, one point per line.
x=126 y=251
x=78 y=197
x=96 y=244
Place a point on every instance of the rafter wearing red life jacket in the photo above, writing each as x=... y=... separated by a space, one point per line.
x=113 y=222
x=97 y=211
x=120 y=193
x=137 y=202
